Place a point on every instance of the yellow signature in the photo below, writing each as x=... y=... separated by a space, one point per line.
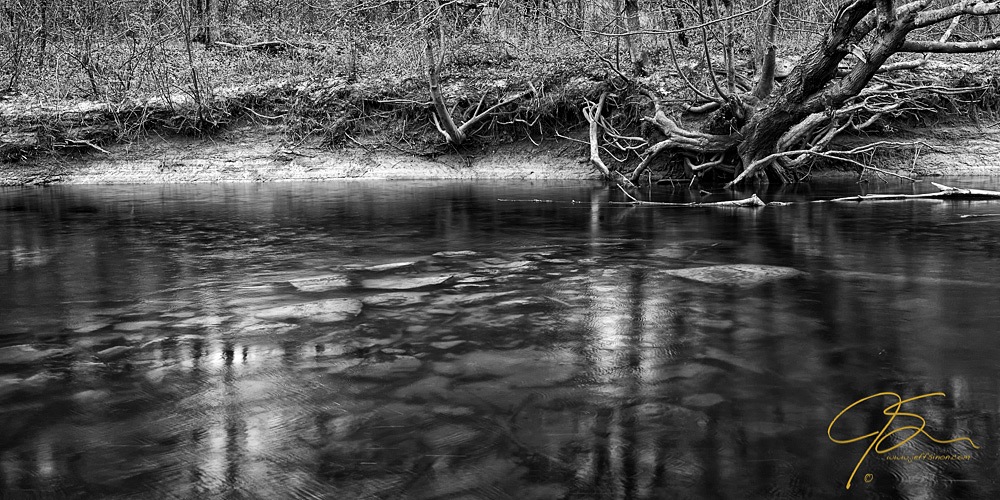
x=892 y=411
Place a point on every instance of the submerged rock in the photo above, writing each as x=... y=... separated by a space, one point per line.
x=740 y=275
x=456 y=253
x=402 y=366
x=203 y=321
x=389 y=266
x=321 y=283
x=321 y=311
x=447 y=344
x=91 y=396
x=472 y=299
x=519 y=265
x=257 y=327
x=396 y=299
x=475 y=279
x=114 y=353
x=517 y=367
x=89 y=327
x=702 y=401
x=27 y=354
x=425 y=389
x=450 y=435
x=721 y=358
x=135 y=326
x=407 y=282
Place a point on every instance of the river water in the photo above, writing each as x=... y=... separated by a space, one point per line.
x=435 y=340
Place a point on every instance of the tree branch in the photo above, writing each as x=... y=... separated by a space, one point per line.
x=687 y=81
x=708 y=55
x=442 y=117
x=951 y=47
x=475 y=119
x=972 y=7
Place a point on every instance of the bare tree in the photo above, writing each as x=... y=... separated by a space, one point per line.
x=443 y=120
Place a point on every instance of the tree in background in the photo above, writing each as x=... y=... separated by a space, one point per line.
x=840 y=68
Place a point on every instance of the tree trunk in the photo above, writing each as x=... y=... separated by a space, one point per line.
x=442 y=117
x=808 y=89
x=637 y=53
x=211 y=21
x=767 y=126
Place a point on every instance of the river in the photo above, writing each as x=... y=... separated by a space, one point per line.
x=445 y=340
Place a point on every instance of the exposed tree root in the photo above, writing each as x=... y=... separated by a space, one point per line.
x=592 y=112
x=838 y=86
x=683 y=140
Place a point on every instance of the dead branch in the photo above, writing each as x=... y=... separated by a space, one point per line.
x=72 y=143
x=268 y=47
x=475 y=119
x=751 y=202
x=946 y=192
x=831 y=155
x=951 y=47
x=708 y=56
x=920 y=61
x=971 y=7
x=701 y=108
x=687 y=81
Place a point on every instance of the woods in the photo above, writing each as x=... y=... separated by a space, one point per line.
x=721 y=90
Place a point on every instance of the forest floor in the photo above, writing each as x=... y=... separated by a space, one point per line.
x=315 y=126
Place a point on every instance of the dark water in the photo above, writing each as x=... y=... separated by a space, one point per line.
x=555 y=352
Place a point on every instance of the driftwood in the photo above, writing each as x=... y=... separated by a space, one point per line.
x=752 y=201
x=946 y=192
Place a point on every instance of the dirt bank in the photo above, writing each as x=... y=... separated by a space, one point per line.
x=253 y=155
x=334 y=129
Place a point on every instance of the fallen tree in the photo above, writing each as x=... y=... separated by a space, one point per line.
x=945 y=193
x=769 y=132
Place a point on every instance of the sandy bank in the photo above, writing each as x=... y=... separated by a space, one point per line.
x=252 y=155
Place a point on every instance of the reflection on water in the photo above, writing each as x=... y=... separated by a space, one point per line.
x=154 y=343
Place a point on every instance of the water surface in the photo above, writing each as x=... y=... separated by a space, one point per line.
x=545 y=346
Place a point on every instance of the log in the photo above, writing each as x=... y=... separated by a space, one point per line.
x=268 y=47
x=751 y=202
x=946 y=192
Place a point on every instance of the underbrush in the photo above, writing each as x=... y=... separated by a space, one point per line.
x=371 y=91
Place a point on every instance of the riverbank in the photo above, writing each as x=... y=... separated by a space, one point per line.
x=336 y=128
x=253 y=154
